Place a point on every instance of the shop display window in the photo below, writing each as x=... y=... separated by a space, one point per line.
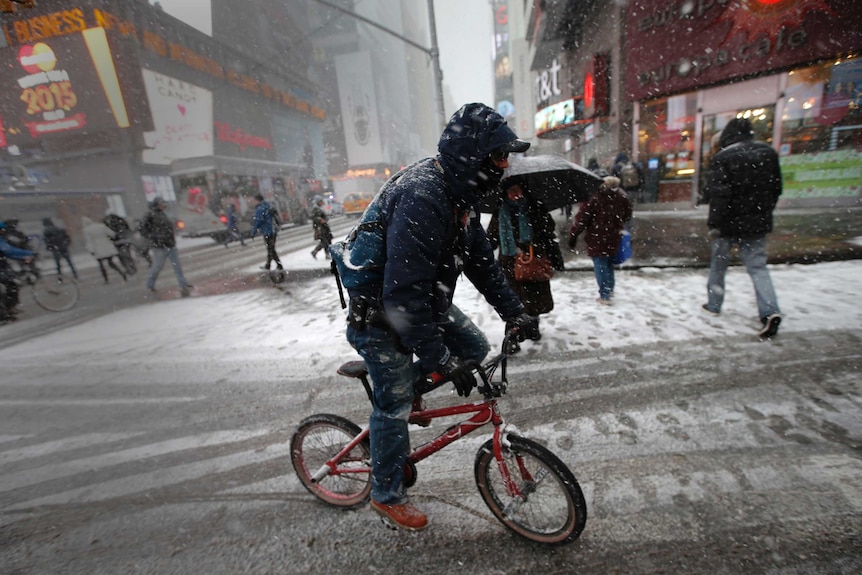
x=821 y=143
x=666 y=145
x=666 y=137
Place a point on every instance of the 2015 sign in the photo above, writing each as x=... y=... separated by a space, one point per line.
x=50 y=97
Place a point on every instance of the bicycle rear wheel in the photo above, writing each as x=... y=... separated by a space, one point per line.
x=318 y=439
x=56 y=293
x=549 y=508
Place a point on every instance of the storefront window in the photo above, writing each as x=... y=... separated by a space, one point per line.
x=821 y=144
x=666 y=142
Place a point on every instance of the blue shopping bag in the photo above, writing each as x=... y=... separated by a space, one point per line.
x=624 y=252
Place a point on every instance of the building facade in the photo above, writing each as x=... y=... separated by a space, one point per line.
x=665 y=77
x=106 y=104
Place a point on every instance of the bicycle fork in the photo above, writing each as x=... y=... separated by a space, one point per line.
x=518 y=492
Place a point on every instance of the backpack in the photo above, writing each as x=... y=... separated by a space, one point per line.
x=629 y=176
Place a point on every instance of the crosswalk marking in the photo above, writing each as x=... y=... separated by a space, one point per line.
x=96 y=401
x=162 y=477
x=10 y=438
x=65 y=444
x=29 y=477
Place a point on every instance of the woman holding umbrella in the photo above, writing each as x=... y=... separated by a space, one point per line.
x=520 y=225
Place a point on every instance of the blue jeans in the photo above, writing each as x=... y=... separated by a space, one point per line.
x=393 y=373
x=159 y=257
x=753 y=253
x=604 y=271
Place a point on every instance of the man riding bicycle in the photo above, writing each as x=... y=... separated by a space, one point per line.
x=400 y=266
x=9 y=300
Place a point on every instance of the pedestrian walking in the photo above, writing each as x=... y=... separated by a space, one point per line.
x=97 y=239
x=523 y=226
x=400 y=266
x=159 y=230
x=233 y=232
x=57 y=242
x=631 y=176
x=602 y=218
x=267 y=222
x=122 y=238
x=743 y=189
x=322 y=233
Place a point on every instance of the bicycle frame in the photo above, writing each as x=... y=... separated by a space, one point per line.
x=484 y=412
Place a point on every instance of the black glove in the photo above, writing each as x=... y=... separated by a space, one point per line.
x=461 y=375
x=525 y=327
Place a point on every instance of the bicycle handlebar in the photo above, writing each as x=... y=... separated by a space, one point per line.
x=485 y=372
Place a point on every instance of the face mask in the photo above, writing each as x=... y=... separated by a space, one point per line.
x=488 y=178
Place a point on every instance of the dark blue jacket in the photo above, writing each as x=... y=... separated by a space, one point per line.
x=433 y=233
x=232 y=218
x=262 y=221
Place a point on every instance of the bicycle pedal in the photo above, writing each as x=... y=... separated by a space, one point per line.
x=388 y=523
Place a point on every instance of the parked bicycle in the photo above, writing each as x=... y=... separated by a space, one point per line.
x=53 y=293
x=528 y=488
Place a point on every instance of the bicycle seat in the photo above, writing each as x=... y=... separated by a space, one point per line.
x=354 y=368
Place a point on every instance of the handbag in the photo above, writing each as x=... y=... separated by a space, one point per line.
x=624 y=251
x=532 y=268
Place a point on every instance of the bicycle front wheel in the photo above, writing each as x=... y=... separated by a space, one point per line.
x=317 y=440
x=56 y=293
x=543 y=501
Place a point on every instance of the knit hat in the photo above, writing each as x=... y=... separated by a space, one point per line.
x=611 y=182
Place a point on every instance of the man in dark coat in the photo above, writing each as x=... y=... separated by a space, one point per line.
x=743 y=189
x=602 y=218
x=159 y=230
x=322 y=231
x=400 y=266
x=122 y=240
x=57 y=242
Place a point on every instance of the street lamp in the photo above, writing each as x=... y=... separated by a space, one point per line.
x=433 y=51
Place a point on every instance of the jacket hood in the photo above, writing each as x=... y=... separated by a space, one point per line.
x=736 y=130
x=472 y=133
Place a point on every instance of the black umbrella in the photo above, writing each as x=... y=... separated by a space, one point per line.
x=551 y=180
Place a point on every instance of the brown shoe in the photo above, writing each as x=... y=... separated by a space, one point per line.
x=402 y=515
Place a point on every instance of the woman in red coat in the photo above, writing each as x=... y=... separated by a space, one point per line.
x=603 y=218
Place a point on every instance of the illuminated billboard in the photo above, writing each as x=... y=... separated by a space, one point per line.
x=560 y=115
x=58 y=87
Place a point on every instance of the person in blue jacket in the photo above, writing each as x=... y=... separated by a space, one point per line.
x=7 y=274
x=233 y=231
x=400 y=266
x=265 y=221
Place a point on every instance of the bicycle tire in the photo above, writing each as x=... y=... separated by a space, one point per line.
x=316 y=440
x=56 y=293
x=554 y=512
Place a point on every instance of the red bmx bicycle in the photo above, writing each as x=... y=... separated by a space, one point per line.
x=525 y=486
